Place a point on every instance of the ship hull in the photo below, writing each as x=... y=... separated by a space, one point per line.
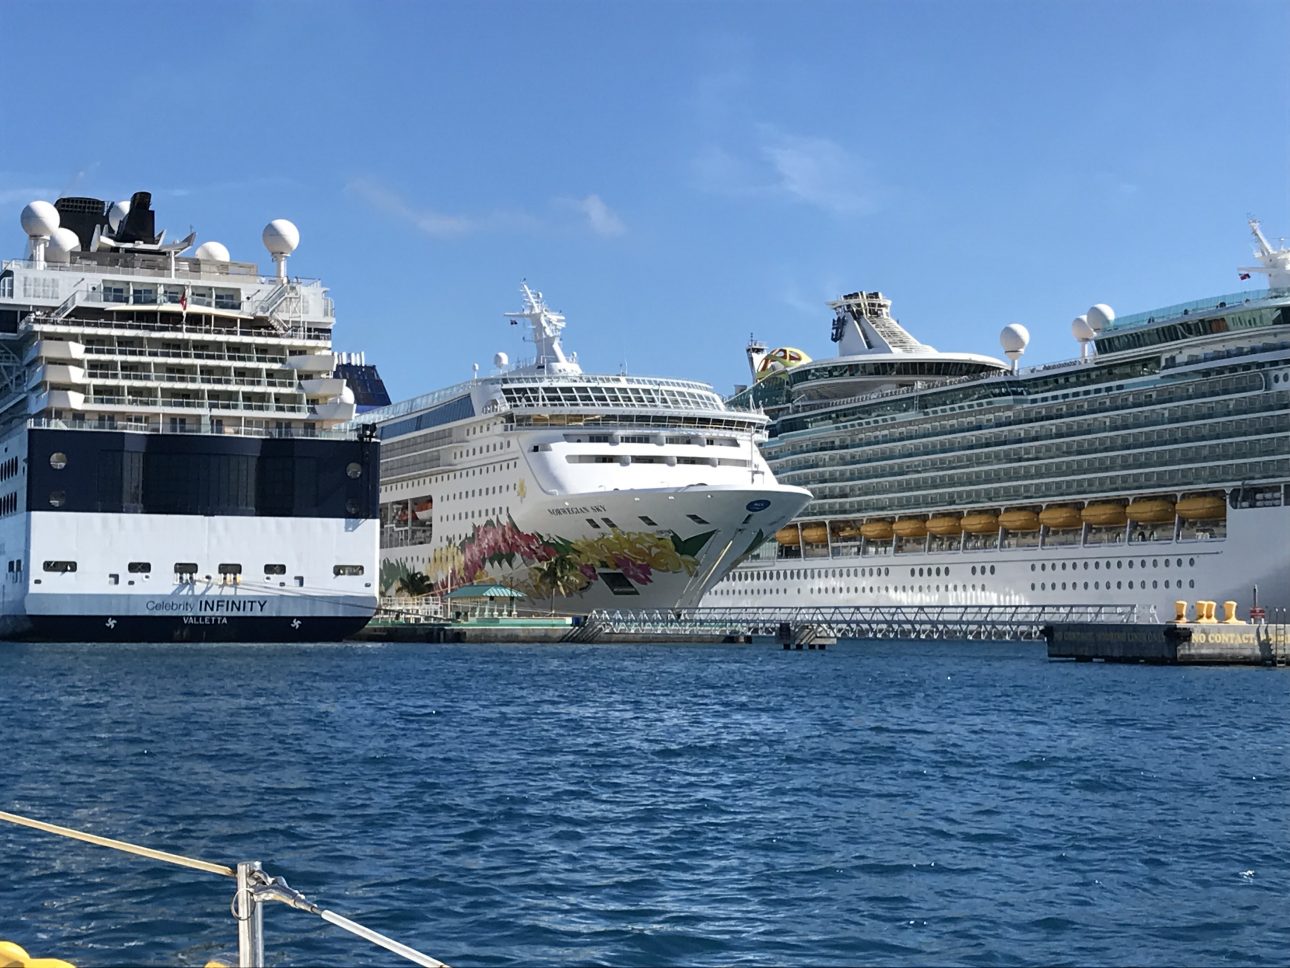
x=1151 y=575
x=632 y=549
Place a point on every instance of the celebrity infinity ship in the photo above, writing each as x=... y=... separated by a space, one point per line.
x=171 y=459
x=580 y=491
x=1154 y=468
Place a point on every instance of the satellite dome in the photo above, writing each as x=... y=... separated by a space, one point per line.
x=281 y=237
x=1100 y=317
x=212 y=251
x=501 y=360
x=346 y=395
x=39 y=219
x=117 y=212
x=779 y=360
x=62 y=243
x=1014 y=338
x=1081 y=329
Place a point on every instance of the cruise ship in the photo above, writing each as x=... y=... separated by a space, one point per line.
x=1155 y=468
x=174 y=458
x=580 y=491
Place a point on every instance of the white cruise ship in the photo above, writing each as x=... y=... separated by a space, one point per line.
x=1154 y=468
x=172 y=463
x=581 y=491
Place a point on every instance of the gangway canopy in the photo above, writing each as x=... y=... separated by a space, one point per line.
x=483 y=590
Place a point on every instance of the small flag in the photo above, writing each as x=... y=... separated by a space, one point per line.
x=183 y=299
x=1244 y=275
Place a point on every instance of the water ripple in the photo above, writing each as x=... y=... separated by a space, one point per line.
x=883 y=804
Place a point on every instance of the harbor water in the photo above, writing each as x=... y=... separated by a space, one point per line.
x=878 y=803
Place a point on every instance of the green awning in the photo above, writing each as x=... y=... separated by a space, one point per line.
x=484 y=591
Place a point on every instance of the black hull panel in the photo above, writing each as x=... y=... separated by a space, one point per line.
x=162 y=628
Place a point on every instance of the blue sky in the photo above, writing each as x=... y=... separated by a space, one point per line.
x=674 y=176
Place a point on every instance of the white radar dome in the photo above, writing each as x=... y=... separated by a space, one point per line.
x=346 y=395
x=501 y=361
x=1100 y=317
x=281 y=237
x=117 y=212
x=212 y=251
x=1013 y=338
x=39 y=219
x=62 y=243
x=1081 y=329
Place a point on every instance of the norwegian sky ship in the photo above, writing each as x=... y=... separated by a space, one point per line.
x=172 y=463
x=582 y=491
x=1154 y=468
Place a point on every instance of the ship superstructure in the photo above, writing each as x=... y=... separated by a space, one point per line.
x=580 y=490
x=173 y=458
x=1154 y=468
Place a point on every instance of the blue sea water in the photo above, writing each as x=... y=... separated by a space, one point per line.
x=877 y=804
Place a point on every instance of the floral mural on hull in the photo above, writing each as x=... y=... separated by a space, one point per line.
x=527 y=556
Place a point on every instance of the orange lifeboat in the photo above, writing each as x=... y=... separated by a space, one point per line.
x=1019 y=519
x=877 y=530
x=1150 y=510
x=1104 y=514
x=815 y=533
x=788 y=535
x=980 y=522
x=1060 y=518
x=1202 y=507
x=945 y=525
x=910 y=527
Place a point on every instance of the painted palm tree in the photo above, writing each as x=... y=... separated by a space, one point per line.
x=559 y=576
x=415 y=584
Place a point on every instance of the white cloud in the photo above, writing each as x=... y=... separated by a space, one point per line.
x=806 y=169
x=591 y=211
x=600 y=217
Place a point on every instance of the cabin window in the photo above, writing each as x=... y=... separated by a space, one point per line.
x=340 y=570
x=185 y=567
x=139 y=567
x=275 y=569
x=61 y=567
x=229 y=568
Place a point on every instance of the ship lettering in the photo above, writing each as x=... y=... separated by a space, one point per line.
x=233 y=605
x=205 y=620
x=582 y=509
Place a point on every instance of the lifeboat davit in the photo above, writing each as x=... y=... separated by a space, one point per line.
x=815 y=533
x=1019 y=519
x=1202 y=507
x=1105 y=514
x=1150 y=510
x=845 y=530
x=910 y=527
x=877 y=530
x=980 y=522
x=946 y=525
x=788 y=536
x=1061 y=518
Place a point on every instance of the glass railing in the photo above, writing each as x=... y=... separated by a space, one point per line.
x=1230 y=300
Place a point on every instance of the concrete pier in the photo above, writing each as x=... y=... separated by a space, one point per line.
x=1170 y=644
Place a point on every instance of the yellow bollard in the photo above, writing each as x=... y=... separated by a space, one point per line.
x=1204 y=612
x=1180 y=612
x=1229 y=614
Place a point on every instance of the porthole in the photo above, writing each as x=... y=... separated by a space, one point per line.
x=351 y=508
x=992 y=569
x=58 y=460
x=354 y=469
x=57 y=499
